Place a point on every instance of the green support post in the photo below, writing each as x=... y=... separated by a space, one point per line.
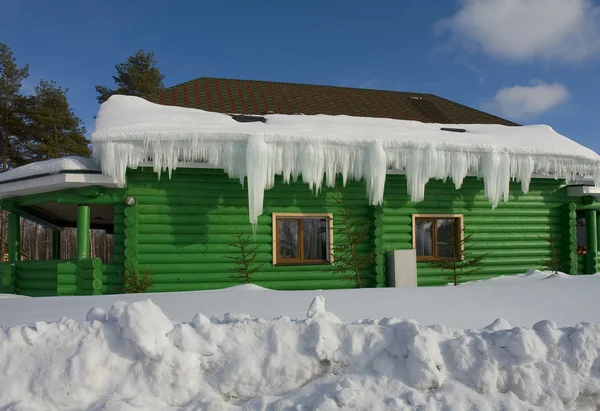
x=55 y=244
x=592 y=234
x=14 y=238
x=83 y=232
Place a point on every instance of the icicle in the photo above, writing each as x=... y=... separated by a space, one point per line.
x=131 y=131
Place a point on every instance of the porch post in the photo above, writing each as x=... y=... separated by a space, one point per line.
x=14 y=238
x=55 y=245
x=592 y=234
x=83 y=232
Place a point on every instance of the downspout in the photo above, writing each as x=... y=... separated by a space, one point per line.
x=592 y=234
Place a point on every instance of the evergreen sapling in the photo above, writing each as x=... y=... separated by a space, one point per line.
x=244 y=261
x=351 y=232
x=457 y=264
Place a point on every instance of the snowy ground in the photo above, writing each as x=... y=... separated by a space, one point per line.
x=162 y=355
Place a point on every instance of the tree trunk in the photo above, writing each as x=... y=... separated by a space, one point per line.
x=36 y=242
x=3 y=232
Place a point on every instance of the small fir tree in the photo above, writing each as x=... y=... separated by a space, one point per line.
x=244 y=260
x=552 y=263
x=351 y=232
x=138 y=76
x=135 y=283
x=457 y=264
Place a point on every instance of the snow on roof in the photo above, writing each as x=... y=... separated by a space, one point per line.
x=130 y=131
x=53 y=166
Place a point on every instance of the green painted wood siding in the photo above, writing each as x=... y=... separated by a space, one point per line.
x=513 y=234
x=181 y=228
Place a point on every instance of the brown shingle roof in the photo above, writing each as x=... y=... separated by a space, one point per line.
x=266 y=97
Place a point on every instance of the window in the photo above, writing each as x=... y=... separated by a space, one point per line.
x=302 y=238
x=437 y=236
x=582 y=240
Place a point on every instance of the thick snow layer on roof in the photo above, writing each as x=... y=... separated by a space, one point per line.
x=131 y=131
x=54 y=166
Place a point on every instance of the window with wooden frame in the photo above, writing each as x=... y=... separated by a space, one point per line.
x=302 y=238
x=438 y=236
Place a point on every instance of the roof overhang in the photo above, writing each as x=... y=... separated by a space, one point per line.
x=54 y=182
x=583 y=191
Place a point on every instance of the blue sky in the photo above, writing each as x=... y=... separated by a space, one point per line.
x=533 y=61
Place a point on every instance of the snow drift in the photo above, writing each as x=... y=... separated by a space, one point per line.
x=131 y=131
x=133 y=357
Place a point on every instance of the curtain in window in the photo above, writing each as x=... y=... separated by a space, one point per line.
x=447 y=242
x=315 y=235
x=288 y=238
x=424 y=233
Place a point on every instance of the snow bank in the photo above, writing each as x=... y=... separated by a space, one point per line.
x=133 y=358
x=131 y=131
x=54 y=166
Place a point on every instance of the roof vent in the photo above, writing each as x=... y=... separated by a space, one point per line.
x=244 y=118
x=454 y=130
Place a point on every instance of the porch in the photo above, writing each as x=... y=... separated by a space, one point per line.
x=73 y=196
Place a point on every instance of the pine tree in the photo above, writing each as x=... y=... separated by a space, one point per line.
x=138 y=76
x=54 y=130
x=11 y=77
x=458 y=265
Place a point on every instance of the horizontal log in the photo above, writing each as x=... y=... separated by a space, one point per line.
x=393 y=229
x=393 y=245
x=484 y=221
x=212 y=219
x=230 y=229
x=523 y=253
x=424 y=271
x=513 y=244
x=220 y=258
x=152 y=249
x=210 y=192
x=257 y=277
x=35 y=265
x=312 y=285
x=36 y=275
x=111 y=268
x=37 y=284
x=37 y=293
x=504 y=227
x=112 y=289
x=229 y=210
x=221 y=267
x=507 y=236
x=186 y=239
x=190 y=286
x=473 y=212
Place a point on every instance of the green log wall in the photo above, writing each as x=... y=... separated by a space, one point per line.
x=181 y=229
x=80 y=277
x=37 y=278
x=513 y=234
x=8 y=278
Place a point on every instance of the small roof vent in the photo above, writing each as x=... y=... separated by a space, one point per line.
x=453 y=130
x=245 y=118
